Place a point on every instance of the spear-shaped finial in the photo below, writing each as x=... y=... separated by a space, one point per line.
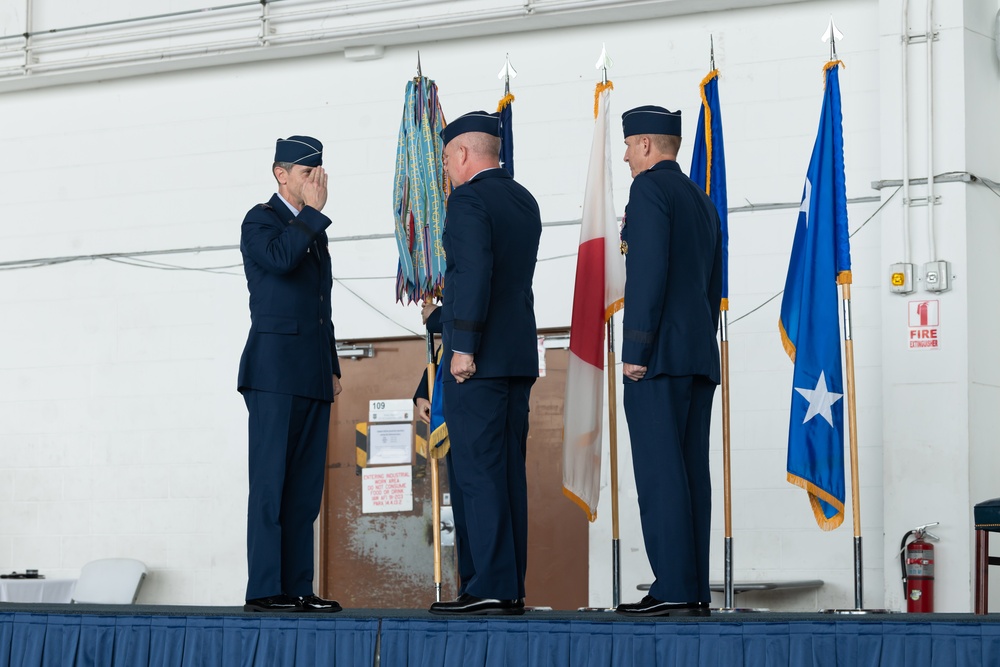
x=711 y=50
x=420 y=73
x=604 y=63
x=507 y=72
x=833 y=36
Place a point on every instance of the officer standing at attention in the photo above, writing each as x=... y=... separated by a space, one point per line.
x=672 y=241
x=289 y=375
x=491 y=239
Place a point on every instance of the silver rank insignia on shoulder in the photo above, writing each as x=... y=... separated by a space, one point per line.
x=624 y=247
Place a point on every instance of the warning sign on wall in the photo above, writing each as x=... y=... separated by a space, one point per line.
x=924 y=319
x=386 y=489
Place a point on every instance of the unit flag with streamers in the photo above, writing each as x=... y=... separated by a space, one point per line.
x=419 y=194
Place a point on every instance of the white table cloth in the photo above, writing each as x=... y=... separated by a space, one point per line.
x=37 y=590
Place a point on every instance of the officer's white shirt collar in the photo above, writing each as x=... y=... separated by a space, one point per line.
x=292 y=208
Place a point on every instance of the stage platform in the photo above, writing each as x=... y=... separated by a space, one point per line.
x=35 y=635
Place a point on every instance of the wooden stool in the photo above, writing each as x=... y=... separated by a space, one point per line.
x=987 y=517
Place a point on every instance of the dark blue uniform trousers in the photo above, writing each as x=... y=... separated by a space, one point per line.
x=288 y=436
x=466 y=569
x=488 y=428
x=668 y=421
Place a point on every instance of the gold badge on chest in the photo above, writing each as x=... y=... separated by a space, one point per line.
x=624 y=247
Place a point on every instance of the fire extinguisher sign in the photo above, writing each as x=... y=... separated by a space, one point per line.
x=924 y=318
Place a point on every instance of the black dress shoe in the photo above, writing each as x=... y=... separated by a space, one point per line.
x=316 y=603
x=273 y=603
x=470 y=605
x=650 y=606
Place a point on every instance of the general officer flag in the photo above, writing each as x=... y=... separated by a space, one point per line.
x=599 y=292
x=506 y=110
x=708 y=165
x=809 y=324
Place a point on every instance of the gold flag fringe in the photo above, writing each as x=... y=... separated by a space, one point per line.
x=829 y=65
x=815 y=494
x=504 y=101
x=708 y=131
x=601 y=87
x=786 y=342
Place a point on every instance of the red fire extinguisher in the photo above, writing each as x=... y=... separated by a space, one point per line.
x=916 y=561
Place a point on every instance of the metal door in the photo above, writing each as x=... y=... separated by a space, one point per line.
x=386 y=560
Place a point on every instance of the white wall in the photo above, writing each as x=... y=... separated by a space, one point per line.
x=938 y=453
x=121 y=433
x=982 y=208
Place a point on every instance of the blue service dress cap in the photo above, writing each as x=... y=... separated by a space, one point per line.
x=474 y=121
x=298 y=149
x=651 y=119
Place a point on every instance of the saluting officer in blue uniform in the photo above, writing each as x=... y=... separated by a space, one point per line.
x=289 y=375
x=672 y=241
x=490 y=350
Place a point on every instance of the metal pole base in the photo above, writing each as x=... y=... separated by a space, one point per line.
x=595 y=609
x=616 y=573
x=437 y=591
x=859 y=612
x=739 y=610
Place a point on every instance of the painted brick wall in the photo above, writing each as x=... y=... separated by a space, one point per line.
x=121 y=433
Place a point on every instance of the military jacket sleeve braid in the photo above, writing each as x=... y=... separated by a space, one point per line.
x=470 y=231
x=647 y=231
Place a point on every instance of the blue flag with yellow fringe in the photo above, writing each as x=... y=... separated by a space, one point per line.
x=438 y=428
x=708 y=165
x=506 y=110
x=809 y=322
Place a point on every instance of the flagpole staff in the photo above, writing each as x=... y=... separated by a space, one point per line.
x=603 y=63
x=844 y=279
x=726 y=431
x=435 y=470
x=505 y=110
x=852 y=429
x=435 y=475
x=726 y=456
x=616 y=572
x=832 y=34
x=420 y=189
